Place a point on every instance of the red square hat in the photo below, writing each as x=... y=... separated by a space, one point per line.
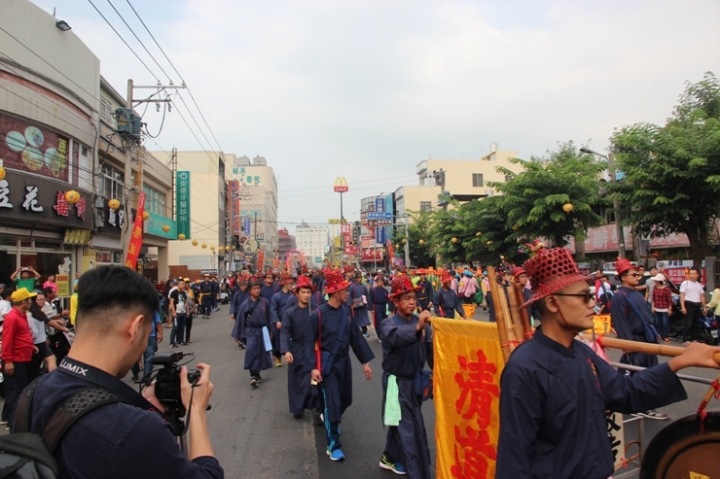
x=551 y=270
x=304 y=282
x=401 y=285
x=335 y=281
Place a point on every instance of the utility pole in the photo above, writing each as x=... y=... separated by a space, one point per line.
x=407 y=241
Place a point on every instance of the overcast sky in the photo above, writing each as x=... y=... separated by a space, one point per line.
x=368 y=89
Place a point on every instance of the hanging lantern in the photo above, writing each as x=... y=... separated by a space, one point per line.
x=233 y=247
x=2 y=173
x=453 y=240
x=516 y=227
x=489 y=243
x=422 y=241
x=212 y=248
x=146 y=216
x=114 y=204
x=72 y=197
x=194 y=242
x=204 y=245
x=404 y=240
x=181 y=236
x=478 y=234
x=568 y=207
x=166 y=228
x=221 y=249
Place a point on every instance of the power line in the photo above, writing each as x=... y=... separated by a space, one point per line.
x=178 y=73
x=123 y=40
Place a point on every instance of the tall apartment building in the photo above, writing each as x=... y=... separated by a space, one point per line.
x=313 y=240
x=286 y=243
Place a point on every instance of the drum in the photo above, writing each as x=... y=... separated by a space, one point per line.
x=680 y=450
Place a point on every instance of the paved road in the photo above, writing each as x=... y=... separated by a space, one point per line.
x=254 y=435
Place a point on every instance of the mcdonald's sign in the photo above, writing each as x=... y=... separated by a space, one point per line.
x=341 y=185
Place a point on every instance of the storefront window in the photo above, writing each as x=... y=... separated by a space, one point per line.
x=111 y=182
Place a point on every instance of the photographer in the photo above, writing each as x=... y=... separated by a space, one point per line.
x=127 y=439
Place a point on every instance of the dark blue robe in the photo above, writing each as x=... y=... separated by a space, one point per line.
x=359 y=311
x=336 y=386
x=268 y=292
x=316 y=300
x=629 y=325
x=278 y=306
x=378 y=302
x=237 y=301
x=446 y=302
x=256 y=358
x=294 y=339
x=553 y=405
x=404 y=351
x=425 y=295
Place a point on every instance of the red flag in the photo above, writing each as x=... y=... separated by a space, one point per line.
x=136 y=236
x=391 y=252
x=260 y=259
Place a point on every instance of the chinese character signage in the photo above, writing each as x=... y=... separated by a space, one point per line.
x=380 y=205
x=156 y=226
x=136 y=236
x=371 y=254
x=234 y=205
x=182 y=202
x=28 y=147
x=38 y=200
x=260 y=259
x=466 y=386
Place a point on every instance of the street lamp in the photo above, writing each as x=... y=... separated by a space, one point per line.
x=616 y=201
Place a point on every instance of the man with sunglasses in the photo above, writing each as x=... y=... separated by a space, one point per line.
x=555 y=391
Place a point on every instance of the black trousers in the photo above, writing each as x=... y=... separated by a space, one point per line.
x=14 y=386
x=691 y=319
x=37 y=360
x=188 y=327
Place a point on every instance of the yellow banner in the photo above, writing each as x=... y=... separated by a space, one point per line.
x=466 y=382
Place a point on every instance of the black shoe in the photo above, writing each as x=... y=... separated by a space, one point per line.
x=319 y=419
x=259 y=379
x=297 y=415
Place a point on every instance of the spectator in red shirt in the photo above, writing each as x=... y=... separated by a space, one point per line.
x=661 y=306
x=17 y=350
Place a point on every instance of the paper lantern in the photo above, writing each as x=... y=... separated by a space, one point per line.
x=453 y=240
x=165 y=228
x=489 y=243
x=146 y=216
x=181 y=236
x=204 y=245
x=2 y=173
x=422 y=242
x=72 y=197
x=516 y=227
x=212 y=248
x=221 y=249
x=113 y=204
x=194 y=242
x=478 y=234
x=568 y=207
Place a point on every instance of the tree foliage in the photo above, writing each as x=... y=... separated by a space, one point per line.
x=671 y=178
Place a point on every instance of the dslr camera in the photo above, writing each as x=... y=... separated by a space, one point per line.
x=167 y=382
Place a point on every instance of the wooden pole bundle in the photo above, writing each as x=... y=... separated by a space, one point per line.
x=513 y=327
x=640 y=347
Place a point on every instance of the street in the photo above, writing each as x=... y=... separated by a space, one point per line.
x=254 y=435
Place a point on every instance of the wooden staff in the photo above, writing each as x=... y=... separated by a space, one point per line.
x=514 y=311
x=524 y=314
x=640 y=347
x=505 y=331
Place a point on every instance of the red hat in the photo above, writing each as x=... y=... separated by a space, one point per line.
x=335 y=281
x=446 y=278
x=551 y=270
x=348 y=269
x=304 y=282
x=255 y=281
x=401 y=285
x=622 y=265
x=421 y=271
x=517 y=271
x=285 y=278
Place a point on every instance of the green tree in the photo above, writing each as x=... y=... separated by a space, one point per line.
x=671 y=178
x=493 y=241
x=554 y=197
x=419 y=241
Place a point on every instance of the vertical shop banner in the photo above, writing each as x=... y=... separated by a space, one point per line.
x=234 y=206
x=63 y=284
x=136 y=237
x=182 y=202
x=260 y=259
x=391 y=252
x=466 y=387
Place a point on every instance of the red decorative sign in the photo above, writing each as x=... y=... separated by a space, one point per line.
x=137 y=234
x=27 y=147
x=260 y=259
x=371 y=254
x=341 y=185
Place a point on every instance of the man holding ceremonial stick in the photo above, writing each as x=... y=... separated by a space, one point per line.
x=555 y=391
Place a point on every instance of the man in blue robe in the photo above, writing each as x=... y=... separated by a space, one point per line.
x=295 y=338
x=407 y=346
x=378 y=303
x=269 y=288
x=446 y=300
x=334 y=332
x=555 y=391
x=253 y=317
x=425 y=293
x=316 y=299
x=357 y=301
x=206 y=291
x=239 y=297
x=278 y=305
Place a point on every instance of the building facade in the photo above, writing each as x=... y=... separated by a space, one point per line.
x=286 y=243
x=313 y=241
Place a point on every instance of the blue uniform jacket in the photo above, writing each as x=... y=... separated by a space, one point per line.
x=553 y=405
x=446 y=302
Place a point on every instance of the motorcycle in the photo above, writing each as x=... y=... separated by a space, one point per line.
x=706 y=330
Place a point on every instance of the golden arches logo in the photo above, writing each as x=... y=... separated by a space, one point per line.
x=341 y=185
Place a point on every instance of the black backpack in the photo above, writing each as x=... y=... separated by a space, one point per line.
x=25 y=455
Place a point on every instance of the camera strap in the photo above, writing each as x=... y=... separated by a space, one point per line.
x=98 y=377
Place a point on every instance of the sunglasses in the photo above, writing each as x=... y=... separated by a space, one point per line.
x=636 y=275
x=587 y=295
